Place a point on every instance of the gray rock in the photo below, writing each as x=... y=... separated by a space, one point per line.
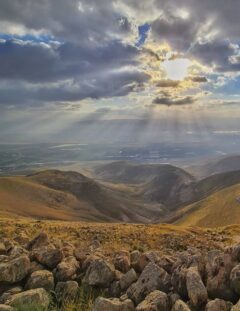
x=155 y=301
x=122 y=262
x=127 y=279
x=152 y=278
x=219 y=267
x=36 y=297
x=99 y=273
x=67 y=269
x=15 y=270
x=47 y=255
x=40 y=279
x=11 y=291
x=35 y=266
x=134 y=259
x=104 y=304
x=17 y=251
x=39 y=241
x=218 y=305
x=197 y=292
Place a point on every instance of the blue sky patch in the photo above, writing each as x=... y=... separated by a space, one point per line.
x=142 y=34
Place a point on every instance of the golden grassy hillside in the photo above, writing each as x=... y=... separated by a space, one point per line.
x=116 y=237
x=23 y=197
x=219 y=209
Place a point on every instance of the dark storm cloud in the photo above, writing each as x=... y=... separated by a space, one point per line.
x=218 y=54
x=178 y=32
x=32 y=61
x=102 y=86
x=71 y=20
x=85 y=46
x=174 y=101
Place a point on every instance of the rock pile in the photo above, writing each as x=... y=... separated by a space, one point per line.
x=151 y=281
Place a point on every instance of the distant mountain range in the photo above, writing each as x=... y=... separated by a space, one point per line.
x=128 y=192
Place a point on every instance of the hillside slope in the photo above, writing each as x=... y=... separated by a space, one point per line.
x=219 y=209
x=134 y=173
x=54 y=194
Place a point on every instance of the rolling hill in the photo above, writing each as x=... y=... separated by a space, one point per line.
x=54 y=194
x=139 y=194
x=219 y=209
x=165 y=184
x=133 y=173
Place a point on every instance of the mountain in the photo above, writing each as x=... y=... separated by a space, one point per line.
x=54 y=194
x=170 y=186
x=133 y=173
x=215 y=166
x=219 y=209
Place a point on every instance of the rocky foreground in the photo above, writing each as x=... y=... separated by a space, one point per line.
x=192 y=279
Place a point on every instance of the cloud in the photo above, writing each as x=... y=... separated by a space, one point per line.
x=113 y=84
x=168 y=83
x=217 y=54
x=198 y=79
x=58 y=50
x=174 y=101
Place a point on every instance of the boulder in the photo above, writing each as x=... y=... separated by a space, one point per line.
x=47 y=255
x=35 y=266
x=155 y=301
x=17 y=251
x=39 y=241
x=146 y=258
x=218 y=305
x=134 y=259
x=15 y=270
x=235 y=252
x=122 y=263
x=40 y=279
x=127 y=279
x=67 y=269
x=219 y=267
x=197 y=292
x=11 y=291
x=152 y=278
x=235 y=279
x=37 y=297
x=99 y=273
x=104 y=304
x=166 y=262
x=180 y=306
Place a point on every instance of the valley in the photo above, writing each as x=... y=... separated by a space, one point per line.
x=126 y=192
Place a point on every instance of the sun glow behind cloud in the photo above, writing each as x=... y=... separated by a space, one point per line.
x=176 y=69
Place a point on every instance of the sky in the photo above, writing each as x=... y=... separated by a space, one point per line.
x=67 y=62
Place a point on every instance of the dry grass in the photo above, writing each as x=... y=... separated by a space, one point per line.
x=115 y=237
x=219 y=209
